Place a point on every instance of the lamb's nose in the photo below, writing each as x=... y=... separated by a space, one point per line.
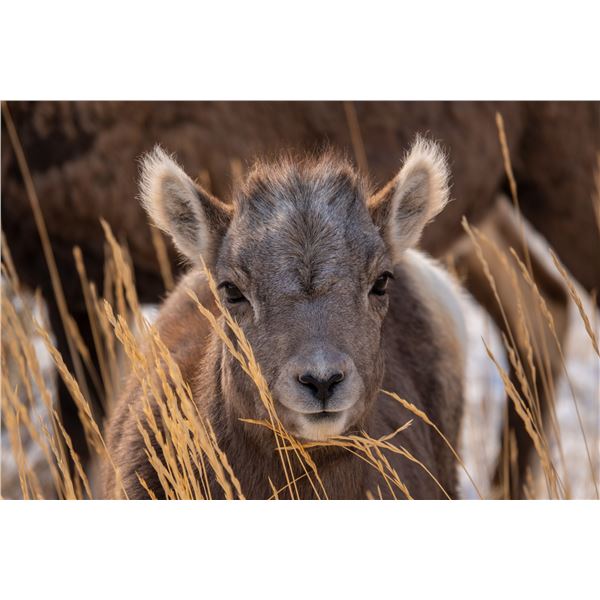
x=322 y=389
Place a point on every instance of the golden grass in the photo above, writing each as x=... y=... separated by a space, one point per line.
x=358 y=146
x=180 y=443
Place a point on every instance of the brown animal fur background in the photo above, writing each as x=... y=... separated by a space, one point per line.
x=83 y=158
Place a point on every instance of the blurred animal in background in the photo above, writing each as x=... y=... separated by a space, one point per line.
x=83 y=162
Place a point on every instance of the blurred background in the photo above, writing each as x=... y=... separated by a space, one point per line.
x=522 y=234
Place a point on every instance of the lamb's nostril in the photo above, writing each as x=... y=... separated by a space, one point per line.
x=335 y=378
x=321 y=388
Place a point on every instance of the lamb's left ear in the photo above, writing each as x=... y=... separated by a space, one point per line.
x=195 y=220
x=416 y=195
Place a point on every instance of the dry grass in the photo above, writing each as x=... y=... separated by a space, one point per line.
x=180 y=443
x=187 y=451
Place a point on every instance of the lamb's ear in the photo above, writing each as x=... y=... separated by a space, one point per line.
x=191 y=216
x=416 y=195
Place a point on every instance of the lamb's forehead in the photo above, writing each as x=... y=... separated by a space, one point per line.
x=328 y=182
x=311 y=218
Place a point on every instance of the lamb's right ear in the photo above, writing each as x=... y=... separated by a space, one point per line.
x=191 y=216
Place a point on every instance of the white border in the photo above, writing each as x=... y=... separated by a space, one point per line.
x=317 y=49
x=362 y=550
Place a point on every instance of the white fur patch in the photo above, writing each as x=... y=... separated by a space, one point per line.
x=442 y=290
x=323 y=430
x=165 y=191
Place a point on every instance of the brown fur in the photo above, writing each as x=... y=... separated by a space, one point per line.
x=412 y=339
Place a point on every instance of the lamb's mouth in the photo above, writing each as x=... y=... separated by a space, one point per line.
x=317 y=425
x=324 y=415
x=321 y=426
x=317 y=413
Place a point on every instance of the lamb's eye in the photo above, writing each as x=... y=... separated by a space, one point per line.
x=380 y=286
x=232 y=292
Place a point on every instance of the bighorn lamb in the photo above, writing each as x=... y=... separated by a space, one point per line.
x=337 y=304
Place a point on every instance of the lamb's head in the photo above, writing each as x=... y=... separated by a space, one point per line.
x=302 y=258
